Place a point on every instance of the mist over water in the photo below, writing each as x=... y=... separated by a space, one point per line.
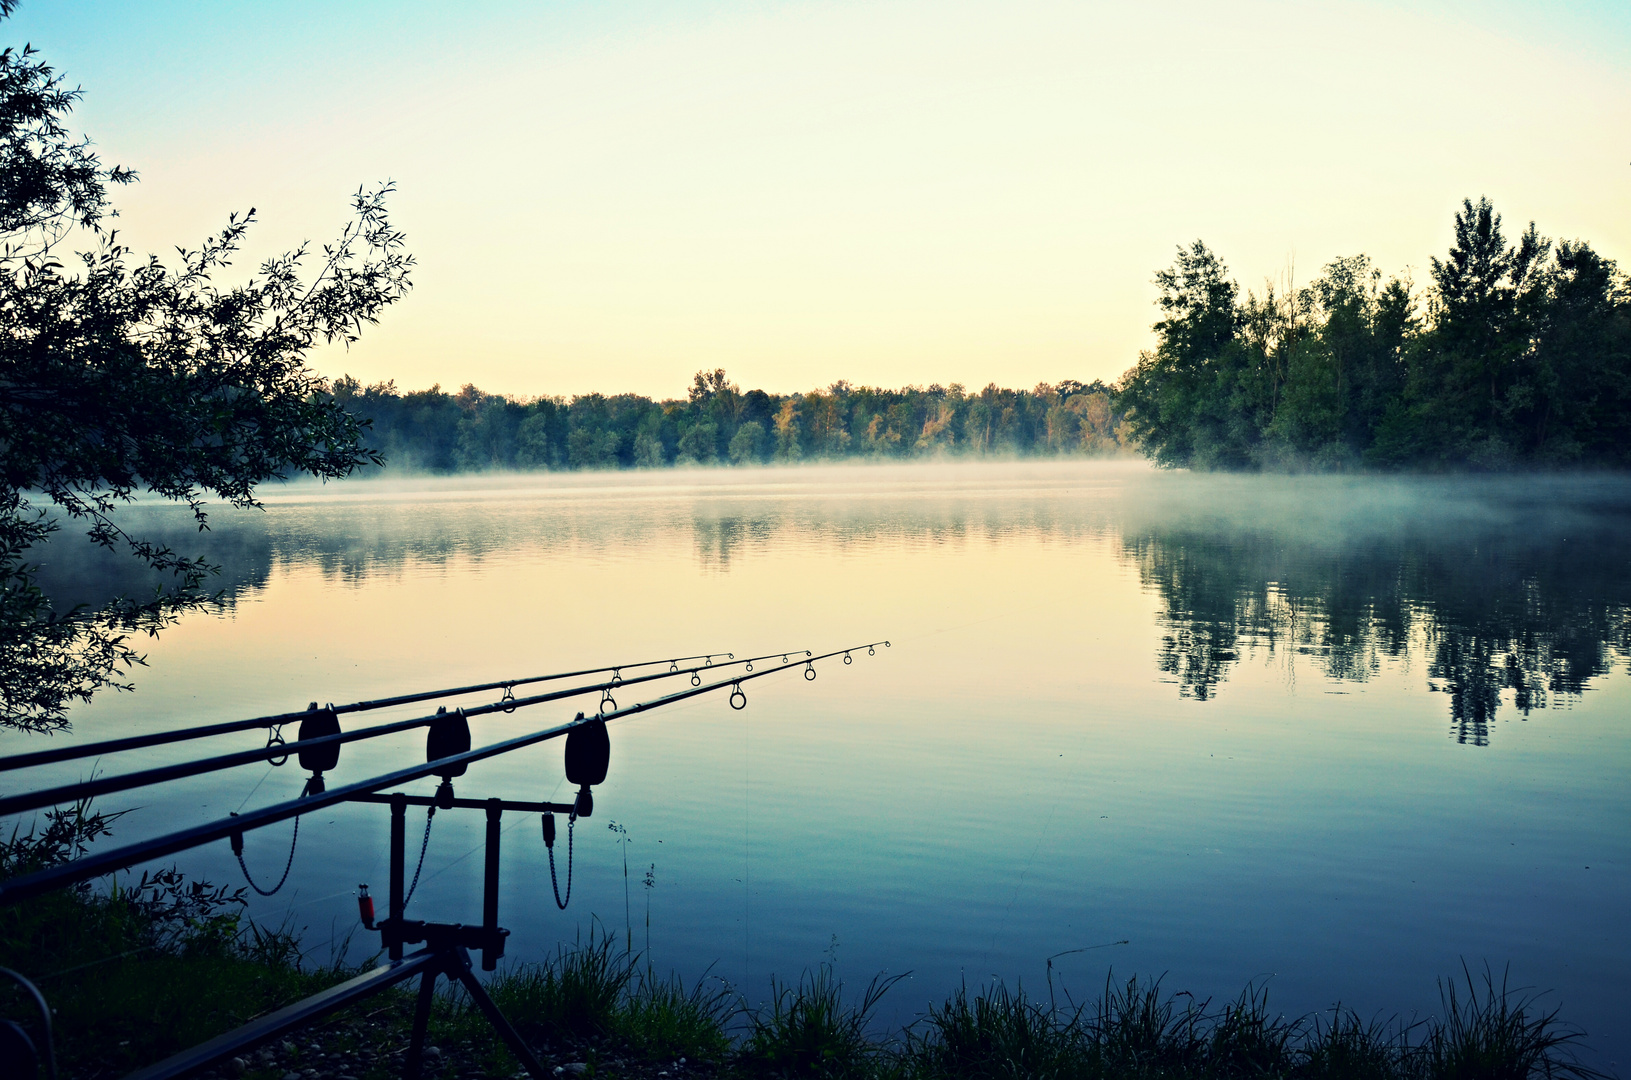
x=1341 y=732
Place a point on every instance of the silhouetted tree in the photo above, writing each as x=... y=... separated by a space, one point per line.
x=120 y=375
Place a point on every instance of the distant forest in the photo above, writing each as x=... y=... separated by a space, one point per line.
x=1515 y=355
x=717 y=422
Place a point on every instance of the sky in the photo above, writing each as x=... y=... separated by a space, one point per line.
x=609 y=197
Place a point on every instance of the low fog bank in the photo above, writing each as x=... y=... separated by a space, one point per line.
x=1513 y=591
x=356 y=526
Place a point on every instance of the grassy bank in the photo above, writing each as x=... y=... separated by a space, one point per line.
x=160 y=963
x=132 y=980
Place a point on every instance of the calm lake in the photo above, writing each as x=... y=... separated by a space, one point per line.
x=1337 y=734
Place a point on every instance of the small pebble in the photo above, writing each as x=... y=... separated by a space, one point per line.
x=291 y=1076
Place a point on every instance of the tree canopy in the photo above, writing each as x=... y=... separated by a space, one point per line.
x=123 y=375
x=1516 y=354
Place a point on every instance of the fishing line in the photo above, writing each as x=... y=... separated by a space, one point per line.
x=1053 y=810
x=256 y=788
x=472 y=851
x=347 y=892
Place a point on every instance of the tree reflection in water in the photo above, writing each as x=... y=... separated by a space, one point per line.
x=1484 y=610
x=1509 y=592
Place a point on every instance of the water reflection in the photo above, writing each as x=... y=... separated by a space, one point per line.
x=1531 y=614
x=1502 y=593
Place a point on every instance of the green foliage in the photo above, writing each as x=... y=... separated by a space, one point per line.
x=747 y=445
x=1522 y=357
x=579 y=993
x=152 y=966
x=49 y=660
x=122 y=375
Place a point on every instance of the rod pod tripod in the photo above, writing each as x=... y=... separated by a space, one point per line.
x=446 y=951
x=448 y=944
x=448 y=753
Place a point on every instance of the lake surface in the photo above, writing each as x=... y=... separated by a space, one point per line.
x=1337 y=734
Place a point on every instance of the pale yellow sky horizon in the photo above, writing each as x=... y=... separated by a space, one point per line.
x=608 y=198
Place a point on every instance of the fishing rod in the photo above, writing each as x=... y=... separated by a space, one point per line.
x=322 y=752
x=137 y=742
x=93 y=866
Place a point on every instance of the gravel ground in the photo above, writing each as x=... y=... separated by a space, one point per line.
x=375 y=1047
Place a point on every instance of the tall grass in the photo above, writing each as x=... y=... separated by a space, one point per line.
x=809 y=1030
x=1134 y=1031
x=595 y=996
x=1498 y=1035
x=131 y=984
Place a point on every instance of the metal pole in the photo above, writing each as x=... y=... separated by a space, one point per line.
x=421 y=1018
x=104 y=862
x=518 y=1046
x=489 y=892
x=67 y=793
x=399 y=858
x=160 y=738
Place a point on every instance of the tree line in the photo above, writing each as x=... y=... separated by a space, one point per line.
x=718 y=423
x=1515 y=355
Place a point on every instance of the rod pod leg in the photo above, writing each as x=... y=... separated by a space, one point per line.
x=421 y=1020
x=512 y=1038
x=399 y=863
